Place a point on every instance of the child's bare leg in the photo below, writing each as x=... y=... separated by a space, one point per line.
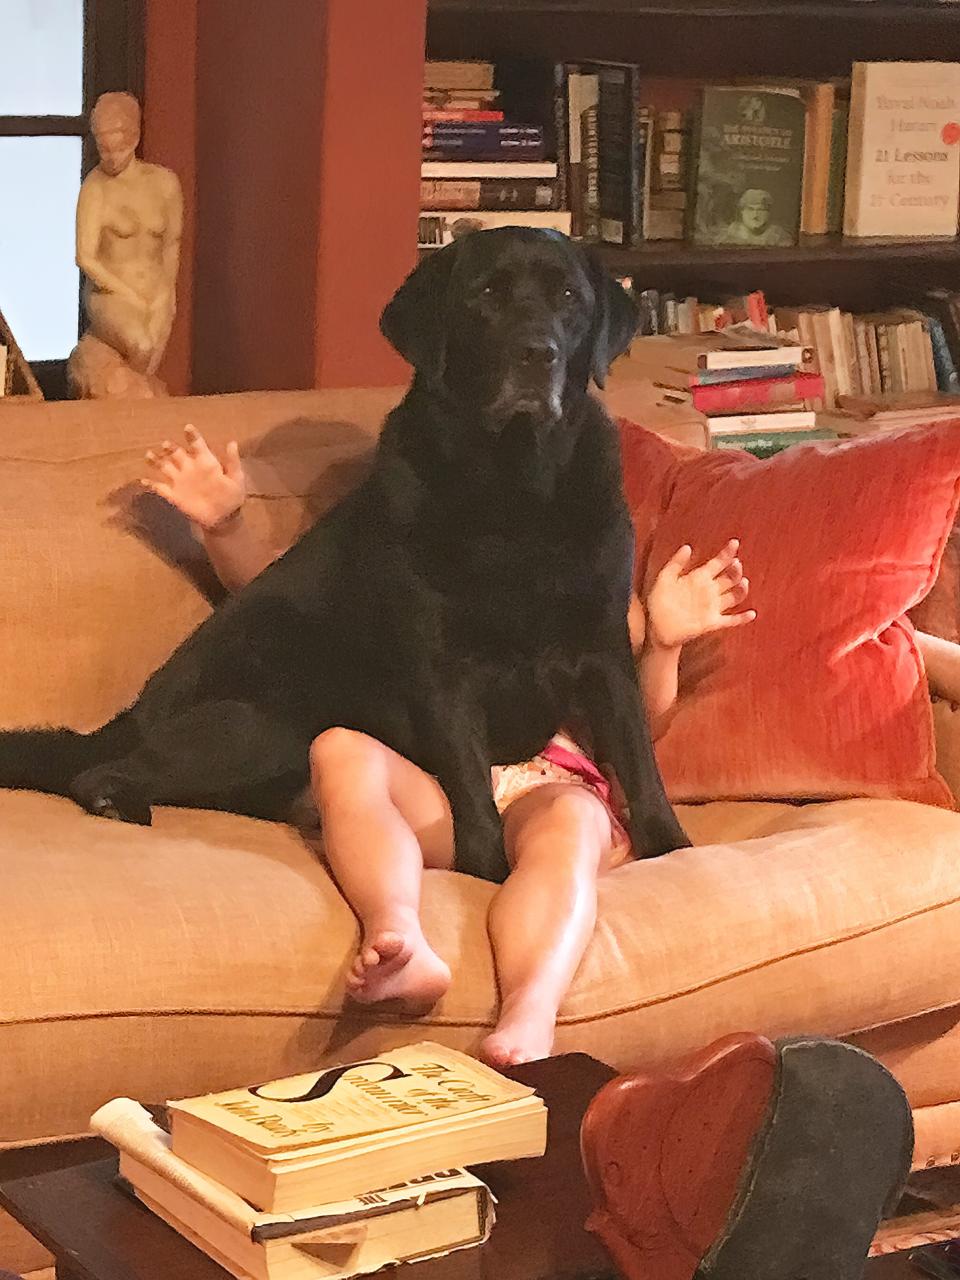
x=558 y=840
x=383 y=821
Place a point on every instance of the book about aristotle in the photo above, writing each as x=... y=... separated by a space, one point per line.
x=749 y=167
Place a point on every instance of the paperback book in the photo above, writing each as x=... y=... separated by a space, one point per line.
x=336 y=1133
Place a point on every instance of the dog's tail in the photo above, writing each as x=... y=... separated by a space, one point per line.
x=49 y=759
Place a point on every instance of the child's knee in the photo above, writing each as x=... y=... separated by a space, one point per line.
x=565 y=823
x=338 y=750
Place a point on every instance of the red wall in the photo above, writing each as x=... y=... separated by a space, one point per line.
x=370 y=182
x=258 y=140
x=295 y=128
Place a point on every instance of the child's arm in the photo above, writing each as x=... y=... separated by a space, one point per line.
x=941 y=660
x=683 y=603
x=211 y=494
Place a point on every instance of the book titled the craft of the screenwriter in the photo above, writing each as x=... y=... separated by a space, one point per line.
x=336 y=1133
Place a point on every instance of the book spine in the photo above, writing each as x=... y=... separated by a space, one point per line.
x=749 y=397
x=465 y=74
x=574 y=134
x=561 y=129
x=616 y=127
x=641 y=174
x=838 y=169
x=948 y=378
x=855 y=133
x=873 y=357
x=648 y=300
x=487 y=134
x=490 y=193
x=884 y=358
x=476 y=149
x=714 y=377
x=765 y=445
x=816 y=159
x=460 y=116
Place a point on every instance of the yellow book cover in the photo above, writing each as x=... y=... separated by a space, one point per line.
x=401 y=1088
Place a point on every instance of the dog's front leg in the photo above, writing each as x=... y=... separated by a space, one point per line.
x=454 y=729
x=613 y=712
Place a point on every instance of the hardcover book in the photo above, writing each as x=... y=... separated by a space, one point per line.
x=749 y=167
x=903 y=150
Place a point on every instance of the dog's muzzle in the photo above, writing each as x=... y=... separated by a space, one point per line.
x=533 y=383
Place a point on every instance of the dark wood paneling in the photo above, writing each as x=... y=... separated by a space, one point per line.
x=697 y=40
x=40 y=126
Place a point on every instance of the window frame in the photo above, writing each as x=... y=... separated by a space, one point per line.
x=113 y=58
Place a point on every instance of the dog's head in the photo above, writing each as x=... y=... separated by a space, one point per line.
x=511 y=323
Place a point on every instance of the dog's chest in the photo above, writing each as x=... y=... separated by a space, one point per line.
x=524 y=590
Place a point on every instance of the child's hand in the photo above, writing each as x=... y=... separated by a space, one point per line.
x=685 y=603
x=196 y=482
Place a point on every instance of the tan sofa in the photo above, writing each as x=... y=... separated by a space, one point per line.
x=211 y=949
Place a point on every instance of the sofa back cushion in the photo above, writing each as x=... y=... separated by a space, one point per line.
x=100 y=580
x=824 y=694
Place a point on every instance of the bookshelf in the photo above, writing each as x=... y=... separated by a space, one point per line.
x=713 y=40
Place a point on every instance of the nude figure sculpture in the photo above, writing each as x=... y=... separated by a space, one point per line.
x=129 y=224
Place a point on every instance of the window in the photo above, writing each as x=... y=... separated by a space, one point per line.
x=56 y=57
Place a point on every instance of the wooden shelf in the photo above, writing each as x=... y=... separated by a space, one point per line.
x=701 y=39
x=887 y=10
x=812 y=249
x=711 y=41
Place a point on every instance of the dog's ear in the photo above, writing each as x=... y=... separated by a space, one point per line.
x=414 y=320
x=615 y=321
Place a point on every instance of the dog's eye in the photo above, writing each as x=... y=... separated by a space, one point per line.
x=487 y=291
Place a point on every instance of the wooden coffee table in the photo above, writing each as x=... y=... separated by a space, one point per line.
x=65 y=1195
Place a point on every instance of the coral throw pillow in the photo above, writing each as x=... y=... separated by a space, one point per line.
x=823 y=695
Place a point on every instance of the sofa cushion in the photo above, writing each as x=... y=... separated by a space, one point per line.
x=824 y=694
x=211 y=950
x=99 y=581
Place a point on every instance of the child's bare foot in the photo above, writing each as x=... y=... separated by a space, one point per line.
x=391 y=965
x=524 y=1033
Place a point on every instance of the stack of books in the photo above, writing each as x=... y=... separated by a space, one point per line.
x=755 y=390
x=333 y=1174
x=480 y=167
x=904 y=349
x=761 y=394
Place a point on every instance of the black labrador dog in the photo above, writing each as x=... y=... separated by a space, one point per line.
x=466 y=602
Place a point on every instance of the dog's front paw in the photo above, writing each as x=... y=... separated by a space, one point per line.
x=108 y=793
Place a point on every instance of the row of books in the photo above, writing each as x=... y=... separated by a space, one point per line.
x=909 y=348
x=755 y=388
x=483 y=166
x=333 y=1174
x=747 y=163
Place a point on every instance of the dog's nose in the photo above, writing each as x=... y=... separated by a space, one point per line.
x=540 y=352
